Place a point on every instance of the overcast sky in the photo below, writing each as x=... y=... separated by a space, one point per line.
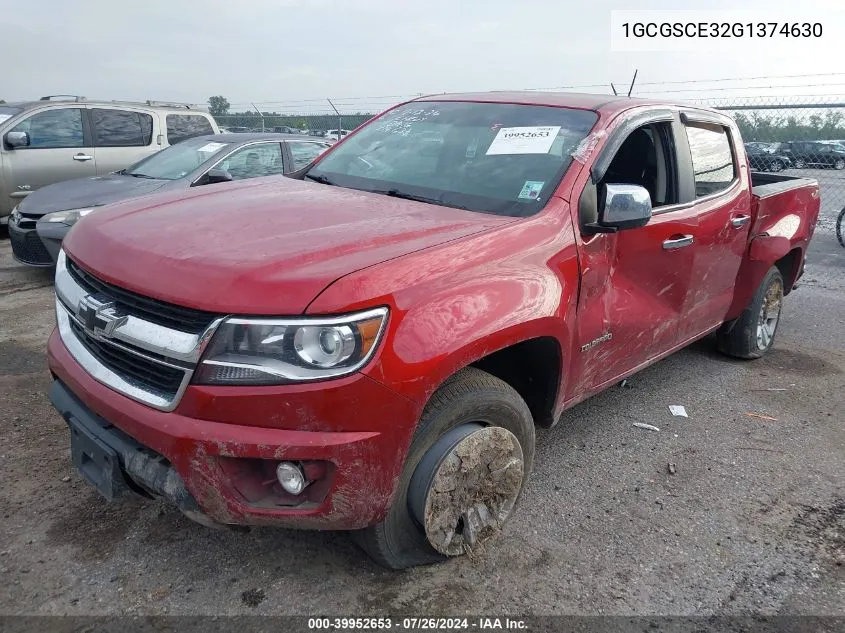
x=275 y=52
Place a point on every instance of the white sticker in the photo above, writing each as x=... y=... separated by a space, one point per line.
x=212 y=147
x=531 y=189
x=523 y=140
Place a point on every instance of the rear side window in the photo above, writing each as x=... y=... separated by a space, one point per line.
x=121 y=128
x=304 y=153
x=54 y=128
x=712 y=158
x=182 y=126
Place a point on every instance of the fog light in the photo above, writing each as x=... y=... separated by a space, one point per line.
x=291 y=477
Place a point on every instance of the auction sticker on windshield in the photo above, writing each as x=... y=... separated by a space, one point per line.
x=531 y=189
x=210 y=148
x=523 y=140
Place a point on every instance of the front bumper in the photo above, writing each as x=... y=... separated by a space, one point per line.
x=220 y=462
x=27 y=246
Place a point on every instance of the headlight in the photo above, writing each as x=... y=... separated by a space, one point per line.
x=69 y=217
x=15 y=215
x=279 y=351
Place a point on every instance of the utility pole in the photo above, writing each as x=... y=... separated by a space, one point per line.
x=339 y=120
x=259 y=114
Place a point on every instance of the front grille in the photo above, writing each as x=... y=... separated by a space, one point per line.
x=29 y=248
x=159 y=312
x=154 y=376
x=28 y=221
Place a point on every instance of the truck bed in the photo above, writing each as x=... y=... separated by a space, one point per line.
x=765 y=185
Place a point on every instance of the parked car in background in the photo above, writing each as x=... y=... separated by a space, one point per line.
x=284 y=129
x=815 y=154
x=40 y=222
x=766 y=159
x=334 y=135
x=371 y=348
x=47 y=141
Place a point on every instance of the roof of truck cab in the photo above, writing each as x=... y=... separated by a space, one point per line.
x=584 y=101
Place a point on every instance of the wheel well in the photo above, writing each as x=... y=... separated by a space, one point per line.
x=533 y=368
x=787 y=265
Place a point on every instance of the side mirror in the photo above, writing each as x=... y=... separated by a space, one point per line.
x=625 y=207
x=17 y=139
x=218 y=175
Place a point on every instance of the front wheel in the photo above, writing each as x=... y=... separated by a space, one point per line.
x=776 y=165
x=840 y=227
x=465 y=470
x=839 y=164
x=799 y=163
x=752 y=333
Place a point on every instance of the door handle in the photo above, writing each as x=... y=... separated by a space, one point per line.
x=82 y=157
x=740 y=221
x=677 y=242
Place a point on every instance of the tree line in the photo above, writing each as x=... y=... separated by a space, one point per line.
x=777 y=128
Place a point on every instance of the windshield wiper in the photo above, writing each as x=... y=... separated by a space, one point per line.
x=395 y=193
x=137 y=175
x=321 y=179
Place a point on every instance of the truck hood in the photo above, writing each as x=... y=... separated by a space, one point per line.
x=262 y=246
x=87 y=192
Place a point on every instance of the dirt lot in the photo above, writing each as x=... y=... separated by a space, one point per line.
x=753 y=520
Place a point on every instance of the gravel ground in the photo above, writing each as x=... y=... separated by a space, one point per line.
x=752 y=520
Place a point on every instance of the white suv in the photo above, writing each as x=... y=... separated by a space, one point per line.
x=52 y=139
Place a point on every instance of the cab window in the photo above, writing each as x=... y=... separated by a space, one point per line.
x=712 y=158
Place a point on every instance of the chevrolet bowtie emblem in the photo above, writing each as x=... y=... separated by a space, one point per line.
x=99 y=316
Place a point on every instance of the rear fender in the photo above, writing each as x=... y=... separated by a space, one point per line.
x=767 y=249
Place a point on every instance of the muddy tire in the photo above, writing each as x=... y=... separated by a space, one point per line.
x=470 y=402
x=752 y=334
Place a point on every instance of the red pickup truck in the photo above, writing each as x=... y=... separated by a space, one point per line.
x=368 y=346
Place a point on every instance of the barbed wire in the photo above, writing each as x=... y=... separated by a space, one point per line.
x=390 y=99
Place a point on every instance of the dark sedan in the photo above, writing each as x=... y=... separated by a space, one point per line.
x=763 y=159
x=40 y=222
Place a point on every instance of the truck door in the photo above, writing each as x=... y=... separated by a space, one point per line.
x=59 y=149
x=635 y=282
x=722 y=207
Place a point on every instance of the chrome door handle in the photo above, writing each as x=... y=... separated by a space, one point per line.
x=83 y=157
x=677 y=242
x=740 y=221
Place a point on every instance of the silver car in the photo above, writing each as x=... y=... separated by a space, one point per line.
x=40 y=222
x=50 y=140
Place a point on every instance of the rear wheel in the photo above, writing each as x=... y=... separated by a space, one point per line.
x=752 y=334
x=839 y=164
x=840 y=227
x=465 y=470
x=799 y=163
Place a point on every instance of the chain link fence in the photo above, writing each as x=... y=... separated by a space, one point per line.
x=313 y=124
x=798 y=136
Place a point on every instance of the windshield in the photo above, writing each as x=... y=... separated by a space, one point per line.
x=7 y=112
x=176 y=161
x=495 y=158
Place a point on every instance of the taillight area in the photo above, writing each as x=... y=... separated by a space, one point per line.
x=270 y=483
